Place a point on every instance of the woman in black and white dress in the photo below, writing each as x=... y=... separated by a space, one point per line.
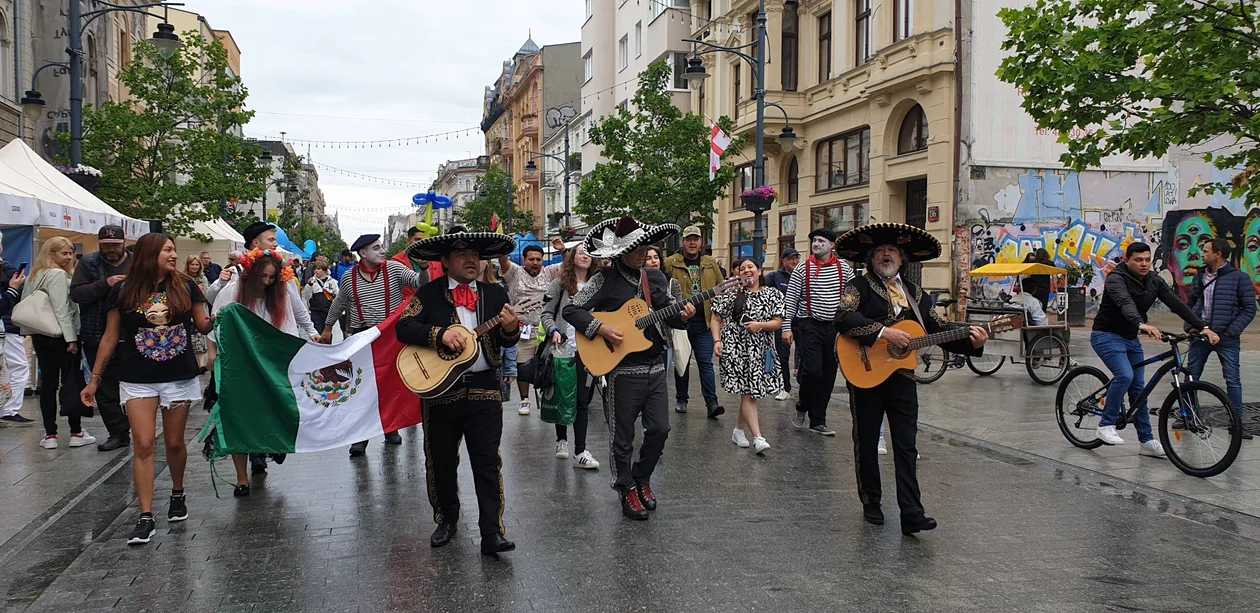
x=743 y=327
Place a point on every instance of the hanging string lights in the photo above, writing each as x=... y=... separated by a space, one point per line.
x=375 y=144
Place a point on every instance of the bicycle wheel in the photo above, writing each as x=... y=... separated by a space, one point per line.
x=1202 y=433
x=933 y=362
x=1079 y=405
x=1047 y=360
x=985 y=365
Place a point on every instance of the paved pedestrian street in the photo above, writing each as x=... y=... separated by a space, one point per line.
x=734 y=532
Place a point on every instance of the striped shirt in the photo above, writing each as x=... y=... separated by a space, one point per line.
x=824 y=292
x=369 y=300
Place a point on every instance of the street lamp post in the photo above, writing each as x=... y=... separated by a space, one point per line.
x=531 y=168
x=164 y=39
x=696 y=74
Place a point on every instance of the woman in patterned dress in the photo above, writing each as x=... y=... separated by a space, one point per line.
x=743 y=329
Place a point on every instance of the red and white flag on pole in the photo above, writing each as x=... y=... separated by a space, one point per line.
x=718 y=142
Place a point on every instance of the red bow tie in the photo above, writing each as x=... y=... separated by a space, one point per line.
x=465 y=297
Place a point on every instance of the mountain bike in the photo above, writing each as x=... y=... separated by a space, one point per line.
x=1200 y=430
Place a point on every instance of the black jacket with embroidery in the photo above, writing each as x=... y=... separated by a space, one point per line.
x=607 y=290
x=865 y=310
x=432 y=310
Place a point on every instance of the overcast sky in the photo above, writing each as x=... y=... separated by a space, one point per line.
x=379 y=69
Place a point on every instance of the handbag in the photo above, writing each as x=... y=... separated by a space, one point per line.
x=559 y=401
x=34 y=314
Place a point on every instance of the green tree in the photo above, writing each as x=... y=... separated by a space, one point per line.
x=495 y=196
x=1142 y=76
x=296 y=203
x=396 y=247
x=169 y=152
x=657 y=167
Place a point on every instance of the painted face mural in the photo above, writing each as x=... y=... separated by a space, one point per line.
x=1193 y=232
x=1249 y=255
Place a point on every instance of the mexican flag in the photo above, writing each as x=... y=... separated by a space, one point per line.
x=282 y=394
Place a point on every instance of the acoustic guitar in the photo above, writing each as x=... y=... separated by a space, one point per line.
x=600 y=356
x=866 y=367
x=432 y=371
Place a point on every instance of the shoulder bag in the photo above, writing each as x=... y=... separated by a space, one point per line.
x=35 y=314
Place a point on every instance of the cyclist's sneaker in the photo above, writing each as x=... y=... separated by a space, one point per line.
x=1152 y=448
x=1107 y=434
x=143 y=532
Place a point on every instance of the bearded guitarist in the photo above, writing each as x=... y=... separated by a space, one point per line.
x=869 y=306
x=637 y=384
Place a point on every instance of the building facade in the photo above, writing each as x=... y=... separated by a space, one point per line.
x=457 y=180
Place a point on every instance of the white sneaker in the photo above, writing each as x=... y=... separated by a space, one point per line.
x=882 y=449
x=781 y=396
x=739 y=438
x=1108 y=435
x=1151 y=448
x=524 y=410
x=586 y=460
x=760 y=445
x=81 y=439
x=49 y=442
x=562 y=450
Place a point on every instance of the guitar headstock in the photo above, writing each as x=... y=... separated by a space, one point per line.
x=728 y=285
x=1004 y=323
x=527 y=306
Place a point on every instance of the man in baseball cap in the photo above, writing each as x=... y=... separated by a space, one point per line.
x=696 y=273
x=94 y=277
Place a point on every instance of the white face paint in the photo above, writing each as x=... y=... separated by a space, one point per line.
x=373 y=254
x=820 y=247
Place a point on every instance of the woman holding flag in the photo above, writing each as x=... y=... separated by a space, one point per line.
x=152 y=316
x=280 y=304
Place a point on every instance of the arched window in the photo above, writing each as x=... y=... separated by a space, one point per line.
x=913 y=135
x=93 y=81
x=793 y=181
x=6 y=58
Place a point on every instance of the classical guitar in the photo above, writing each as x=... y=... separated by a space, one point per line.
x=866 y=367
x=599 y=356
x=431 y=371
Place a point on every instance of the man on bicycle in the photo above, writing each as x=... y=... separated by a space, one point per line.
x=1128 y=293
x=1226 y=299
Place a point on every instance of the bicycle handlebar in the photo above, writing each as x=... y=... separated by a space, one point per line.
x=1181 y=338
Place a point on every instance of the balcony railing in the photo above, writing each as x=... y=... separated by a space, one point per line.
x=529 y=126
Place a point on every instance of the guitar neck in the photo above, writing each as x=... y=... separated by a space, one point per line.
x=938 y=338
x=488 y=326
x=656 y=317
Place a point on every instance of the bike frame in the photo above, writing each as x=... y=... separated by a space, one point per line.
x=1172 y=365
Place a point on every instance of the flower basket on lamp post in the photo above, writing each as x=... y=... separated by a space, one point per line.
x=759 y=198
x=82 y=174
x=566 y=232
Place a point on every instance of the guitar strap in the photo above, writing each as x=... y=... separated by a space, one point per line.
x=914 y=306
x=647 y=289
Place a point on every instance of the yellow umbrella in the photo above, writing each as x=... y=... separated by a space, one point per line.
x=1010 y=270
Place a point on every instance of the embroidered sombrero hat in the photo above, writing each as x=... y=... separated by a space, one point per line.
x=916 y=242
x=613 y=238
x=488 y=244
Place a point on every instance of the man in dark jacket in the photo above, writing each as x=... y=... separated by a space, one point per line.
x=1128 y=293
x=1226 y=300
x=779 y=280
x=208 y=266
x=96 y=274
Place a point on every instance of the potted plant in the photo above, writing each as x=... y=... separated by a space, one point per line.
x=86 y=176
x=566 y=232
x=759 y=198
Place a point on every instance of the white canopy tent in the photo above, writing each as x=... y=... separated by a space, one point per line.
x=224 y=239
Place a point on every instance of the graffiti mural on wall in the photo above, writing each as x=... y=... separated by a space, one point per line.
x=1188 y=231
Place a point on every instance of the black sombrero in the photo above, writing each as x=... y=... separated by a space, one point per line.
x=613 y=238
x=488 y=244
x=916 y=242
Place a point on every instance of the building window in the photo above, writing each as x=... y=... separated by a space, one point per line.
x=6 y=56
x=862 y=31
x=793 y=181
x=903 y=20
x=844 y=160
x=824 y=47
x=590 y=8
x=658 y=7
x=838 y=218
x=791 y=26
x=742 y=183
x=588 y=64
x=678 y=62
x=913 y=135
x=741 y=240
x=623 y=53
x=638 y=39
x=736 y=69
x=787 y=230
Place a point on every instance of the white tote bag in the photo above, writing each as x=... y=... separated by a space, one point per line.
x=34 y=314
x=682 y=351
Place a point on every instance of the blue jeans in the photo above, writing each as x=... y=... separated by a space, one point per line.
x=702 y=348
x=1227 y=351
x=1120 y=354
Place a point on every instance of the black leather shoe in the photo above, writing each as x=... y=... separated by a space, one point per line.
x=716 y=410
x=495 y=543
x=393 y=438
x=279 y=458
x=921 y=523
x=241 y=491
x=632 y=506
x=113 y=443
x=358 y=449
x=873 y=514
x=443 y=535
x=646 y=496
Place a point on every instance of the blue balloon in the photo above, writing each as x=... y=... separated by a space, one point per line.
x=309 y=248
x=442 y=202
x=420 y=199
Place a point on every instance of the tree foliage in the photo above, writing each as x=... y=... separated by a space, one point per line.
x=657 y=167
x=495 y=196
x=1140 y=77
x=169 y=152
x=397 y=246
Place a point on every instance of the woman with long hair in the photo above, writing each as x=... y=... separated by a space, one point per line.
x=266 y=287
x=152 y=315
x=743 y=329
x=653 y=260
x=195 y=271
x=574 y=271
x=57 y=356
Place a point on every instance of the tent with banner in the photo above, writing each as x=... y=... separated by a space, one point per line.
x=224 y=239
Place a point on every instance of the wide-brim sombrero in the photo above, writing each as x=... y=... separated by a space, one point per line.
x=916 y=242
x=613 y=238
x=488 y=244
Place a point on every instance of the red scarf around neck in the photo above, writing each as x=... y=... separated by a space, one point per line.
x=818 y=266
x=813 y=259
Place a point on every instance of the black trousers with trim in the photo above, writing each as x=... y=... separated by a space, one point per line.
x=897 y=398
x=629 y=396
x=815 y=342
x=480 y=424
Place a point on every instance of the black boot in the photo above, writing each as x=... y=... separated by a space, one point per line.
x=873 y=514
x=358 y=449
x=631 y=506
x=492 y=544
x=921 y=523
x=443 y=535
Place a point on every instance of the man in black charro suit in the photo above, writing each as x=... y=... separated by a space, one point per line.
x=869 y=306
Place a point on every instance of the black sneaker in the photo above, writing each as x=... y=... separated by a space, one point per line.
x=716 y=410
x=17 y=419
x=799 y=420
x=393 y=438
x=145 y=529
x=241 y=491
x=178 y=510
x=822 y=429
x=358 y=449
x=681 y=407
x=258 y=464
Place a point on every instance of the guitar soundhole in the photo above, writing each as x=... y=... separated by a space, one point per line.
x=447 y=354
x=637 y=310
x=898 y=352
